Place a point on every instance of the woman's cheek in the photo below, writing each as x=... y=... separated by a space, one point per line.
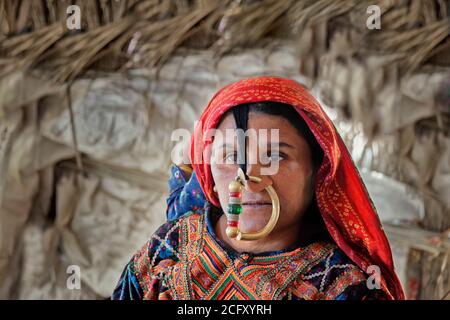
x=292 y=186
x=222 y=175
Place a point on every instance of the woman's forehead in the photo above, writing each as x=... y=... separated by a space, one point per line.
x=257 y=120
x=261 y=127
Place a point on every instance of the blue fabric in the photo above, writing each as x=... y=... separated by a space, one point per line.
x=185 y=194
x=128 y=287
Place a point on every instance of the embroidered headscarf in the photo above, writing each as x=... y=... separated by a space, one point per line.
x=341 y=196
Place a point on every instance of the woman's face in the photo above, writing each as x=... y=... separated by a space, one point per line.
x=293 y=181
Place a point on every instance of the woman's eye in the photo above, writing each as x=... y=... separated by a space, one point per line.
x=231 y=157
x=276 y=156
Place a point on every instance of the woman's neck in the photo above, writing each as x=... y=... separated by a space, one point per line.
x=277 y=240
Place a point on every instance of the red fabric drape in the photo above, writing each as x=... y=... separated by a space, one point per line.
x=343 y=201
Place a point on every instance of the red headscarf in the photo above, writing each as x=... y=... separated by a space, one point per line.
x=342 y=198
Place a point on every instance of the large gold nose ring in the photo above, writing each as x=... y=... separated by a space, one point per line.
x=235 y=209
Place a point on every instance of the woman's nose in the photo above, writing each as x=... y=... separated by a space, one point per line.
x=254 y=170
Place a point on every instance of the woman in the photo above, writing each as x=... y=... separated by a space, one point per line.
x=326 y=238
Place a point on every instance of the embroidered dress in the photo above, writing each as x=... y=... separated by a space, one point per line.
x=185 y=260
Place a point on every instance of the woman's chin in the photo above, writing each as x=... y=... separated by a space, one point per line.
x=254 y=219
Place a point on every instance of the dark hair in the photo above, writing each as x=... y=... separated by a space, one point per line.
x=289 y=113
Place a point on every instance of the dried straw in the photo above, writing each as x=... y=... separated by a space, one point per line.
x=147 y=32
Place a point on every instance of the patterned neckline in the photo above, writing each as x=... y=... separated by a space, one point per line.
x=212 y=214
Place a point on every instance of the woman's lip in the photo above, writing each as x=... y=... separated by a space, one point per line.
x=256 y=204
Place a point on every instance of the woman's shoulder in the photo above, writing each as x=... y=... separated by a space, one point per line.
x=152 y=262
x=335 y=276
x=164 y=243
